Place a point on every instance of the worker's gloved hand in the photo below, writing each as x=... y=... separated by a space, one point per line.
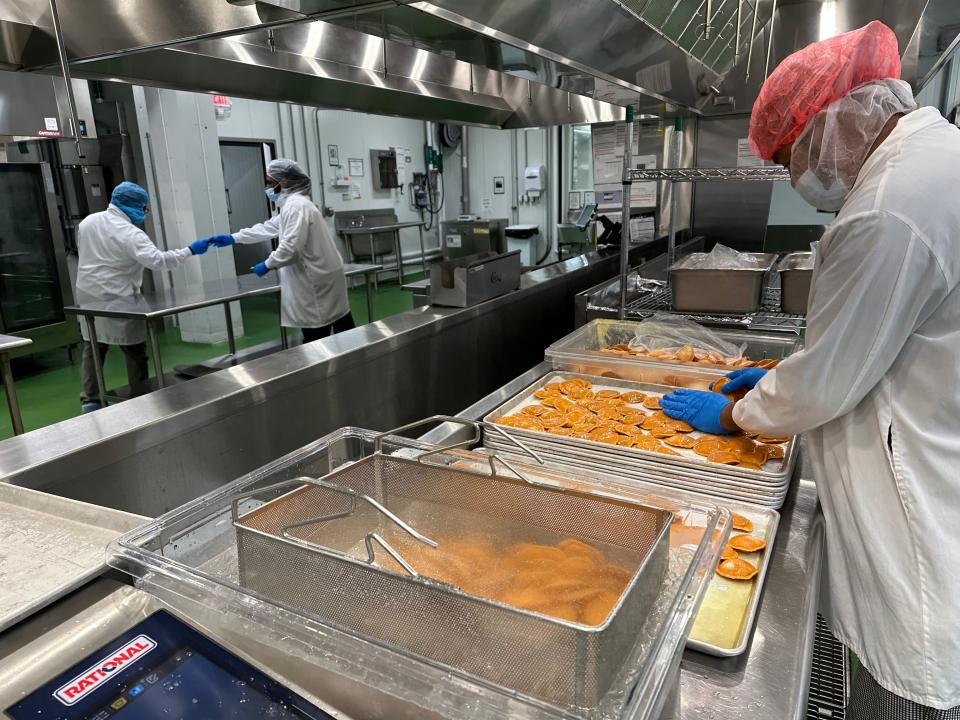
x=199 y=247
x=745 y=379
x=698 y=408
x=221 y=240
x=260 y=269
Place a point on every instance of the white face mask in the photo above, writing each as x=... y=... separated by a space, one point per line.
x=809 y=187
x=827 y=156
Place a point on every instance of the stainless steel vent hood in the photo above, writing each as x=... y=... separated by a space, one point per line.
x=274 y=53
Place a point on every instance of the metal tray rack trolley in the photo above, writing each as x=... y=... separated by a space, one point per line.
x=769 y=317
x=310 y=548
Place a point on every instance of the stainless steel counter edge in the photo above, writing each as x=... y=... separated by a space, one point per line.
x=188 y=400
x=771 y=679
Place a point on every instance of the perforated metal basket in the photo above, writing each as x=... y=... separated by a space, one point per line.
x=330 y=547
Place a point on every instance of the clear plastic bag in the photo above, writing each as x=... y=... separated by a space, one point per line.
x=673 y=337
x=725 y=258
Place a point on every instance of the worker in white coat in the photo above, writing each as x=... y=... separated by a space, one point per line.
x=113 y=252
x=313 y=288
x=877 y=387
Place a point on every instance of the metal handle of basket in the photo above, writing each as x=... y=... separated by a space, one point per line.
x=378 y=440
x=476 y=425
x=371 y=537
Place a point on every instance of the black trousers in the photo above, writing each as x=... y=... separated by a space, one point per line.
x=869 y=701
x=342 y=325
x=137 y=373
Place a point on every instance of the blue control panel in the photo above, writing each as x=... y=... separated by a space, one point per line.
x=158 y=670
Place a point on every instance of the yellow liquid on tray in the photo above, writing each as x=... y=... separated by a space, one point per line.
x=725 y=607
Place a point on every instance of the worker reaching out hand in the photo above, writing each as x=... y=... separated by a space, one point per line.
x=313 y=288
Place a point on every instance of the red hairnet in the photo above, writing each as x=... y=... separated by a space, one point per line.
x=812 y=78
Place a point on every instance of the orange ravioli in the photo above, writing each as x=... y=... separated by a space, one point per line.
x=633 y=397
x=680 y=441
x=736 y=569
x=729 y=554
x=652 y=403
x=746 y=543
x=742 y=523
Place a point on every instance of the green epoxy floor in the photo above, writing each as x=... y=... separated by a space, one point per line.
x=48 y=385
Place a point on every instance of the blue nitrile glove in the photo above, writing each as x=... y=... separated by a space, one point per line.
x=745 y=379
x=260 y=269
x=221 y=240
x=698 y=408
x=199 y=247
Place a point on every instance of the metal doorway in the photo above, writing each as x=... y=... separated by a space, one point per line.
x=244 y=168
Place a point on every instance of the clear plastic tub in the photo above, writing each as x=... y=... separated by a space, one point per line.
x=190 y=554
x=580 y=352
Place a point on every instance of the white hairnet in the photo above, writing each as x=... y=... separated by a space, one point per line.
x=292 y=178
x=827 y=156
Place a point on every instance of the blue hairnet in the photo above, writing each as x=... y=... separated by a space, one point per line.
x=290 y=175
x=132 y=199
x=131 y=195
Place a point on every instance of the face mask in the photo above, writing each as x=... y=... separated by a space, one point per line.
x=809 y=187
x=136 y=215
x=272 y=195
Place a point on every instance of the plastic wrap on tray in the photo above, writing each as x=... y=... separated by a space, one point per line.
x=720 y=258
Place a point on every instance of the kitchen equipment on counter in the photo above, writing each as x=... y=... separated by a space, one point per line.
x=473 y=279
x=726 y=290
x=196 y=551
x=796 y=273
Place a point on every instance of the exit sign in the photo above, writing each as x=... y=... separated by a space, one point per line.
x=222 y=106
x=221 y=101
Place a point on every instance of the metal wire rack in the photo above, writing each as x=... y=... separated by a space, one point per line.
x=711 y=174
x=769 y=318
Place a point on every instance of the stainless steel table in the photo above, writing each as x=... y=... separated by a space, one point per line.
x=49 y=546
x=357 y=269
x=9 y=343
x=771 y=679
x=393 y=229
x=153 y=307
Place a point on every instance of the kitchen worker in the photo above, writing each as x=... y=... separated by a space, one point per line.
x=313 y=288
x=113 y=252
x=877 y=387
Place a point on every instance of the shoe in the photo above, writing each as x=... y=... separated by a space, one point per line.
x=89 y=407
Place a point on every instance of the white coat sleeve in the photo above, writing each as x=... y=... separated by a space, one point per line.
x=258 y=233
x=296 y=231
x=152 y=257
x=877 y=283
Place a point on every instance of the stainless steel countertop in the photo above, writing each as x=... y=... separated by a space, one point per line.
x=178 y=300
x=50 y=546
x=19 y=454
x=771 y=679
x=11 y=342
x=374 y=229
x=354 y=269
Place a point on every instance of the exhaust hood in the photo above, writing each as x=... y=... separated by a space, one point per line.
x=274 y=52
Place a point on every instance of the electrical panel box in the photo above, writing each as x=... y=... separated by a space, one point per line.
x=383 y=164
x=535 y=181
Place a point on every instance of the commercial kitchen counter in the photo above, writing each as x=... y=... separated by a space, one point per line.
x=771 y=679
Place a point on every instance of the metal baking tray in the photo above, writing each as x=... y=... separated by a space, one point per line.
x=796 y=274
x=729 y=290
x=346 y=548
x=724 y=601
x=685 y=463
x=666 y=478
x=580 y=352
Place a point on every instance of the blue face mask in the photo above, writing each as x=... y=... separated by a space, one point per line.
x=136 y=215
x=272 y=195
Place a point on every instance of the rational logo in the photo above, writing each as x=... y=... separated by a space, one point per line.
x=96 y=675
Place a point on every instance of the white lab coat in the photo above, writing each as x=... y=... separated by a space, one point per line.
x=112 y=255
x=313 y=288
x=877 y=390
